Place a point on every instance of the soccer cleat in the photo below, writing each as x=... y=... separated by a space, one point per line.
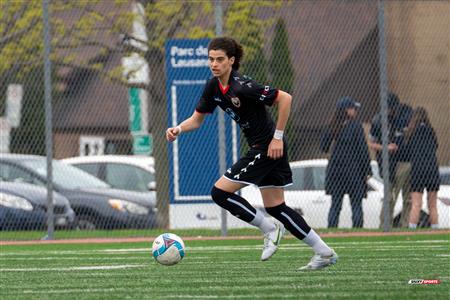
x=272 y=240
x=321 y=261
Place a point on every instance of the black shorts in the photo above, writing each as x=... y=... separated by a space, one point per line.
x=258 y=169
x=419 y=186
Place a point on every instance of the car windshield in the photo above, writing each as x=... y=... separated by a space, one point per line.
x=308 y=178
x=445 y=179
x=66 y=176
x=312 y=177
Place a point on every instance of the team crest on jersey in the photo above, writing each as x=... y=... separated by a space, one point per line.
x=236 y=102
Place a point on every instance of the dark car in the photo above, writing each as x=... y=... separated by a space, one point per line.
x=23 y=206
x=96 y=205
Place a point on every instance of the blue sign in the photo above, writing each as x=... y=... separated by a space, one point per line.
x=194 y=156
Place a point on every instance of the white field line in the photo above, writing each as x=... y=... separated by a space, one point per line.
x=230 y=263
x=84 y=268
x=265 y=292
x=77 y=258
x=198 y=259
x=341 y=245
x=149 y=290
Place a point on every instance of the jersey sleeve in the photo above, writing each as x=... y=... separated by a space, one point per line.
x=206 y=104
x=259 y=93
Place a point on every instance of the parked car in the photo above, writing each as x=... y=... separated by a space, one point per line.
x=95 y=203
x=307 y=195
x=23 y=206
x=444 y=173
x=126 y=172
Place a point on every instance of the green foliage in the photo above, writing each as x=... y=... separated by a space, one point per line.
x=243 y=24
x=20 y=31
x=78 y=26
x=29 y=137
x=282 y=73
x=281 y=69
x=180 y=19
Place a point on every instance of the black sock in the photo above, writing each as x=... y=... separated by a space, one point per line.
x=292 y=220
x=235 y=204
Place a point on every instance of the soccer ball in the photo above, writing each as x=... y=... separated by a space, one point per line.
x=168 y=249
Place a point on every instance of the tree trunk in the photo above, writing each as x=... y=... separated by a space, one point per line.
x=158 y=125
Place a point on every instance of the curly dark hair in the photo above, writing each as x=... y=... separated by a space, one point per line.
x=230 y=47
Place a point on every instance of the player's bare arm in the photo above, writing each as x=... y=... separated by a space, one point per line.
x=283 y=101
x=392 y=147
x=191 y=123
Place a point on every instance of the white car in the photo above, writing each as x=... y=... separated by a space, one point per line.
x=126 y=172
x=307 y=195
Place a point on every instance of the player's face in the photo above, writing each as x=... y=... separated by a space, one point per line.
x=219 y=63
x=352 y=112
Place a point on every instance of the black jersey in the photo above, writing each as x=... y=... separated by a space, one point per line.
x=244 y=100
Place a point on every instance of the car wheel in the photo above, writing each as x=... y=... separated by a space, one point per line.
x=86 y=223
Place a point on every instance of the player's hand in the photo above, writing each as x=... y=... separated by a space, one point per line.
x=172 y=133
x=275 y=150
x=392 y=147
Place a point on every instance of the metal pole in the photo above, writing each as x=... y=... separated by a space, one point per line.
x=48 y=119
x=384 y=116
x=221 y=120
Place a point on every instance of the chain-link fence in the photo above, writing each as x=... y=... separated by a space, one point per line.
x=124 y=71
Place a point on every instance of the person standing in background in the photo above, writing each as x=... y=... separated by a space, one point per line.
x=349 y=165
x=398 y=169
x=401 y=183
x=422 y=145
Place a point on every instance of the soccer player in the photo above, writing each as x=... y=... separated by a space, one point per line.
x=266 y=163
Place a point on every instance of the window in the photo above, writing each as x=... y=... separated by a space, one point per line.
x=128 y=177
x=298 y=178
x=318 y=174
x=65 y=176
x=445 y=179
x=308 y=178
x=13 y=173
x=92 y=169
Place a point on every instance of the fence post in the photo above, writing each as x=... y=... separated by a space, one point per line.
x=221 y=118
x=48 y=119
x=384 y=117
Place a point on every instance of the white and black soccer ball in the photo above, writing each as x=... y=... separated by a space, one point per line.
x=168 y=249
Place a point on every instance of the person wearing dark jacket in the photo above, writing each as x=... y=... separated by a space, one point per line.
x=399 y=167
x=422 y=146
x=349 y=164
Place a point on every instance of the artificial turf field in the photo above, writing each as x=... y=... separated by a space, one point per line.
x=369 y=268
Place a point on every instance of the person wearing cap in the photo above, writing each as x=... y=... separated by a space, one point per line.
x=399 y=167
x=349 y=164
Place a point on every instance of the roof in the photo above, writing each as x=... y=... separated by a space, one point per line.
x=91 y=101
x=16 y=157
x=139 y=161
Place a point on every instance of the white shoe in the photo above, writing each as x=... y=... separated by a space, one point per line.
x=320 y=261
x=272 y=240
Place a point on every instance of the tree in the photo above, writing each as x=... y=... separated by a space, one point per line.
x=79 y=26
x=30 y=139
x=282 y=71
